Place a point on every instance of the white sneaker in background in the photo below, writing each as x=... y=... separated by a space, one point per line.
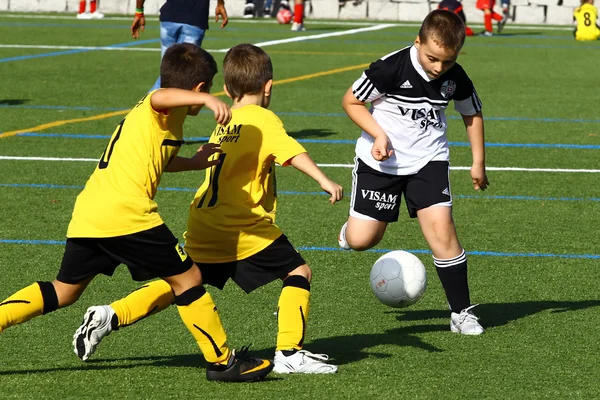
x=302 y=362
x=96 y=325
x=85 y=15
x=297 y=27
x=249 y=10
x=97 y=15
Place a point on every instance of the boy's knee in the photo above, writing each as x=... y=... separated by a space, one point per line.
x=303 y=270
x=186 y=280
x=66 y=294
x=362 y=243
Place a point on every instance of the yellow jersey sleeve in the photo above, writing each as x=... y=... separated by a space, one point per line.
x=118 y=198
x=587 y=28
x=278 y=143
x=233 y=213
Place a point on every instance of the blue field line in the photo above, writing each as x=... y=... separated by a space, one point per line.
x=60 y=53
x=300 y=193
x=472 y=253
x=330 y=141
x=313 y=114
x=337 y=249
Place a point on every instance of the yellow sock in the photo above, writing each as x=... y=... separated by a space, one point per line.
x=149 y=299
x=292 y=313
x=28 y=303
x=199 y=314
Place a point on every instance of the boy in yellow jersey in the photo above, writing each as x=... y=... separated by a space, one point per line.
x=231 y=230
x=115 y=219
x=586 y=16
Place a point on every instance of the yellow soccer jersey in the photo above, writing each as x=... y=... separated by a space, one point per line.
x=586 y=17
x=232 y=216
x=118 y=198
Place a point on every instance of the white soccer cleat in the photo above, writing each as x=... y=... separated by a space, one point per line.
x=342 y=238
x=85 y=15
x=302 y=362
x=96 y=325
x=97 y=15
x=465 y=322
x=297 y=27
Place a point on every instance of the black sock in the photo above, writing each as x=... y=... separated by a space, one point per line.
x=453 y=275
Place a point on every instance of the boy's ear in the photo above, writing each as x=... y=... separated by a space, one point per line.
x=199 y=87
x=226 y=91
x=417 y=42
x=268 y=87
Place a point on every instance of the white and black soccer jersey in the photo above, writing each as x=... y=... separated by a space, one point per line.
x=409 y=106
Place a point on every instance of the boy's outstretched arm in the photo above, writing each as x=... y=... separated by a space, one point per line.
x=200 y=160
x=304 y=163
x=475 y=131
x=167 y=98
x=359 y=114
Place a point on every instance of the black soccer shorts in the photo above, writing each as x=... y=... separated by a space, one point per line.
x=274 y=262
x=150 y=254
x=376 y=195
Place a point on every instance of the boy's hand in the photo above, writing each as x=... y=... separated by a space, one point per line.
x=335 y=190
x=139 y=21
x=480 y=180
x=380 y=150
x=220 y=109
x=201 y=160
x=221 y=12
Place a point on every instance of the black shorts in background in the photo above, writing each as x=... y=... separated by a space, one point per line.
x=276 y=261
x=377 y=195
x=150 y=254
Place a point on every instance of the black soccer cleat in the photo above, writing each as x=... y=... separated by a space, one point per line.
x=241 y=367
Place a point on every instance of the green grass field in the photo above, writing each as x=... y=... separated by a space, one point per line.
x=532 y=237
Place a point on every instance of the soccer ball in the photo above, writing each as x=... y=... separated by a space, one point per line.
x=398 y=279
x=284 y=16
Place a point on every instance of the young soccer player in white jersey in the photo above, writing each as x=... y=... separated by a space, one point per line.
x=403 y=149
x=115 y=219
x=231 y=230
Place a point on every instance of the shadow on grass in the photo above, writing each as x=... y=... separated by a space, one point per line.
x=13 y=102
x=498 y=314
x=351 y=348
x=102 y=364
x=348 y=348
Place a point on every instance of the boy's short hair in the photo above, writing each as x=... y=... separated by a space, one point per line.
x=246 y=69
x=445 y=28
x=186 y=65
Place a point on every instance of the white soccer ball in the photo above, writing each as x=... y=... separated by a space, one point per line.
x=398 y=279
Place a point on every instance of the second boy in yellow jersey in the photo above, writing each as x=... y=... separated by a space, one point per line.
x=231 y=230
x=586 y=16
x=115 y=220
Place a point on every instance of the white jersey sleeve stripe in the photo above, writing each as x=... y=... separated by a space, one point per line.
x=364 y=90
x=469 y=106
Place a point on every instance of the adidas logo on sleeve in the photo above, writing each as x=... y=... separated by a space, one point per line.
x=406 y=85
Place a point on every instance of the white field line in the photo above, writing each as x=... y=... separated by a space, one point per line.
x=323 y=35
x=313 y=21
x=512 y=169
x=260 y=44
